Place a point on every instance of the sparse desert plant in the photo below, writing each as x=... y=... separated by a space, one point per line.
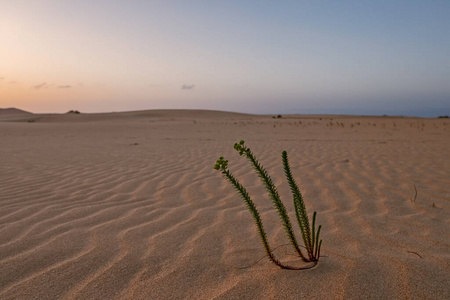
x=309 y=234
x=73 y=112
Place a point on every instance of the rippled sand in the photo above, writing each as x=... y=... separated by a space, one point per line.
x=128 y=206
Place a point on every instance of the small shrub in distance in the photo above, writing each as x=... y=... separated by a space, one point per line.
x=73 y=112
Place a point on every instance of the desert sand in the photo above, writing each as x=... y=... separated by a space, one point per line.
x=128 y=206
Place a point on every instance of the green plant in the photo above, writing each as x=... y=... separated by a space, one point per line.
x=309 y=235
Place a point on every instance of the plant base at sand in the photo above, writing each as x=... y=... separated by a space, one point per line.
x=309 y=234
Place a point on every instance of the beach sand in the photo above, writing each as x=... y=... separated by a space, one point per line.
x=128 y=206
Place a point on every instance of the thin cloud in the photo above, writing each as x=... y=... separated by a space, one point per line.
x=40 y=86
x=64 y=86
x=187 y=86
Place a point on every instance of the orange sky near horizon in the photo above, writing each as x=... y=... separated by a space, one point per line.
x=350 y=57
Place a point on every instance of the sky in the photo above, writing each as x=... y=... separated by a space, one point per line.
x=265 y=57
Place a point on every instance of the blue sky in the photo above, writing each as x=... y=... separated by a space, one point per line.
x=344 y=57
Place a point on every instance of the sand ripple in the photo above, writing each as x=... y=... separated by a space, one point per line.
x=132 y=209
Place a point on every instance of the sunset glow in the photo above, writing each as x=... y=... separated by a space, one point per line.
x=383 y=57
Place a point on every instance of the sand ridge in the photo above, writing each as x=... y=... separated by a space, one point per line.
x=128 y=206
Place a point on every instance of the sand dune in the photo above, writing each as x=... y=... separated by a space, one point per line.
x=14 y=114
x=128 y=206
x=13 y=111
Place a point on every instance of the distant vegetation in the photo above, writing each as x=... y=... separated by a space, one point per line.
x=73 y=112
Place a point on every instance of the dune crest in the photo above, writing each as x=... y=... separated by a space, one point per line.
x=11 y=111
